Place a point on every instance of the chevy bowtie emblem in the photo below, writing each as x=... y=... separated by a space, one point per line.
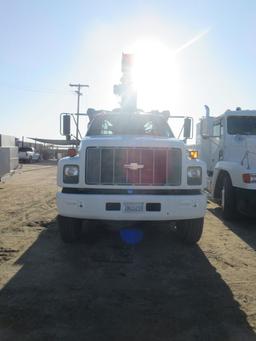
x=133 y=166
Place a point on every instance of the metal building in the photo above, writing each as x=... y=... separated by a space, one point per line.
x=8 y=154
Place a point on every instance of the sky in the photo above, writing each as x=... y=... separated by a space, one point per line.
x=191 y=53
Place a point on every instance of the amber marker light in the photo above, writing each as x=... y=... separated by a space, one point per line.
x=72 y=152
x=193 y=154
x=249 y=178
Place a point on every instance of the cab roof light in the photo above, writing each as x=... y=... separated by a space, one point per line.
x=193 y=154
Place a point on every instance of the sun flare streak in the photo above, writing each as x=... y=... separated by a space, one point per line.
x=192 y=41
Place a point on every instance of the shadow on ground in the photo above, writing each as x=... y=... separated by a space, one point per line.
x=243 y=227
x=40 y=163
x=102 y=289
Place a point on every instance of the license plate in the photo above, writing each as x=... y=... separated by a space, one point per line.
x=133 y=207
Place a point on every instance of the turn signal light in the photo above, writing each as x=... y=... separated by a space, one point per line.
x=72 y=152
x=193 y=154
x=249 y=178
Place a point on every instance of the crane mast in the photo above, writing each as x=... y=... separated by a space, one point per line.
x=126 y=89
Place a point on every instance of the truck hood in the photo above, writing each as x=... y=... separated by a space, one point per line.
x=241 y=147
x=130 y=141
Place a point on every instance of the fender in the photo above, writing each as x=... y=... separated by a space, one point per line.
x=235 y=171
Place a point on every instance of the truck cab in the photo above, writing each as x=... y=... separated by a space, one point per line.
x=227 y=144
x=130 y=168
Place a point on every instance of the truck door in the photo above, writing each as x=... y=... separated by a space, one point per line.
x=217 y=143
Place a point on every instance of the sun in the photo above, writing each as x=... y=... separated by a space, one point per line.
x=155 y=75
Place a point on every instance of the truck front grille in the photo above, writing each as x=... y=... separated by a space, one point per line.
x=133 y=166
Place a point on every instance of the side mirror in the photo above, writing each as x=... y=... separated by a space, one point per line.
x=187 y=130
x=65 y=125
x=205 y=129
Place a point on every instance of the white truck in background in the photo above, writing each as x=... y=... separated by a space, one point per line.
x=28 y=154
x=227 y=144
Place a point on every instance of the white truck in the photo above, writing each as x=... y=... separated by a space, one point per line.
x=227 y=144
x=28 y=154
x=130 y=167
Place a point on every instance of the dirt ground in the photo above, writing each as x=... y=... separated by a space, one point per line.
x=103 y=289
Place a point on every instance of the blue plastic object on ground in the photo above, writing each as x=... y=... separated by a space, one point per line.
x=131 y=235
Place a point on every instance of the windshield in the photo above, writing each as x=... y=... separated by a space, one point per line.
x=25 y=149
x=242 y=125
x=135 y=124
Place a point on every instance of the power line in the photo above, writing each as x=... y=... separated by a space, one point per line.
x=30 y=89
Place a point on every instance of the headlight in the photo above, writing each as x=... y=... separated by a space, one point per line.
x=71 y=174
x=194 y=176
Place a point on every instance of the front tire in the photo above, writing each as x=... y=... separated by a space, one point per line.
x=228 y=199
x=70 y=229
x=190 y=231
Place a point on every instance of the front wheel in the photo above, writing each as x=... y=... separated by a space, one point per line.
x=228 y=199
x=70 y=229
x=190 y=231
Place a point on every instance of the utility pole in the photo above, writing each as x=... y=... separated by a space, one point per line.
x=79 y=93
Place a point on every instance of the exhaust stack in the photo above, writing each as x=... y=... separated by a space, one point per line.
x=207 y=111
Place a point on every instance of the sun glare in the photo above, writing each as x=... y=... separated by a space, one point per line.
x=155 y=75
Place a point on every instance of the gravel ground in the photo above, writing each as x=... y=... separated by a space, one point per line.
x=103 y=289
